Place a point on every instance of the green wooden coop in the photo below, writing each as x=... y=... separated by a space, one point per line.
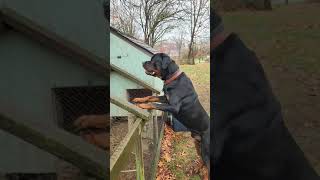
x=128 y=80
x=53 y=69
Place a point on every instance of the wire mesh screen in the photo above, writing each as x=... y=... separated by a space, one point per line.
x=138 y=93
x=74 y=102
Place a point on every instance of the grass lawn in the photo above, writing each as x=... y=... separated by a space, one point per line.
x=200 y=77
x=288 y=35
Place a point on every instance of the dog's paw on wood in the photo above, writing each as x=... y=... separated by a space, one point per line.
x=139 y=100
x=93 y=129
x=92 y=121
x=146 y=106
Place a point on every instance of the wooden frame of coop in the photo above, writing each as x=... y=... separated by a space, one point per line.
x=127 y=81
x=133 y=139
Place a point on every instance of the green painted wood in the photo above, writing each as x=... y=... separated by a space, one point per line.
x=64 y=146
x=119 y=86
x=127 y=57
x=79 y=21
x=133 y=78
x=139 y=156
x=130 y=108
x=120 y=156
x=28 y=76
x=52 y=40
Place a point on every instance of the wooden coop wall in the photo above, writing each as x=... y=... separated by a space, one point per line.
x=118 y=88
x=65 y=18
x=31 y=71
x=131 y=60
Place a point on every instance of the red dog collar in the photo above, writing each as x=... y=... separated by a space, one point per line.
x=174 y=76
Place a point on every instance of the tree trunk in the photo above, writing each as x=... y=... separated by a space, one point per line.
x=190 y=53
x=287 y=2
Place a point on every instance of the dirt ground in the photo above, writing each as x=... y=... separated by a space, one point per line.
x=286 y=40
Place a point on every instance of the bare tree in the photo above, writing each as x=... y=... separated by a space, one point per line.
x=179 y=40
x=122 y=19
x=154 y=17
x=198 y=14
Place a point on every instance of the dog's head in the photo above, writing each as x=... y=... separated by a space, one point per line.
x=161 y=66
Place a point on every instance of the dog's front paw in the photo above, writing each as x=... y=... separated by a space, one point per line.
x=96 y=121
x=145 y=106
x=139 y=100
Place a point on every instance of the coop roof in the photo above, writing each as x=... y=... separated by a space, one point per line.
x=135 y=42
x=48 y=38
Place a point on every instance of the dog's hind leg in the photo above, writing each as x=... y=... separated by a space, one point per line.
x=202 y=169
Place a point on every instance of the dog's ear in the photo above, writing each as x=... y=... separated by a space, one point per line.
x=166 y=60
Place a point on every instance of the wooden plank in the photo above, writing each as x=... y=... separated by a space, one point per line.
x=133 y=78
x=130 y=108
x=120 y=156
x=52 y=40
x=154 y=166
x=139 y=156
x=155 y=127
x=61 y=144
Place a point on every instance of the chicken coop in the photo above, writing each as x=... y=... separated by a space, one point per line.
x=135 y=133
x=53 y=69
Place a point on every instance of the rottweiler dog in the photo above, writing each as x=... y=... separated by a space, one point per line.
x=181 y=100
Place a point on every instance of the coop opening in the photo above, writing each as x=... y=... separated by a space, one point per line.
x=138 y=93
x=74 y=102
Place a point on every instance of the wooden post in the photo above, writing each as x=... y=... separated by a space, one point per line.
x=157 y=154
x=155 y=129
x=139 y=156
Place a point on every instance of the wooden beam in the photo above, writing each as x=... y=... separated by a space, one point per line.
x=130 y=108
x=139 y=155
x=54 y=41
x=120 y=156
x=60 y=144
x=155 y=161
x=133 y=78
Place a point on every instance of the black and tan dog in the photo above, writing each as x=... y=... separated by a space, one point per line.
x=180 y=100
